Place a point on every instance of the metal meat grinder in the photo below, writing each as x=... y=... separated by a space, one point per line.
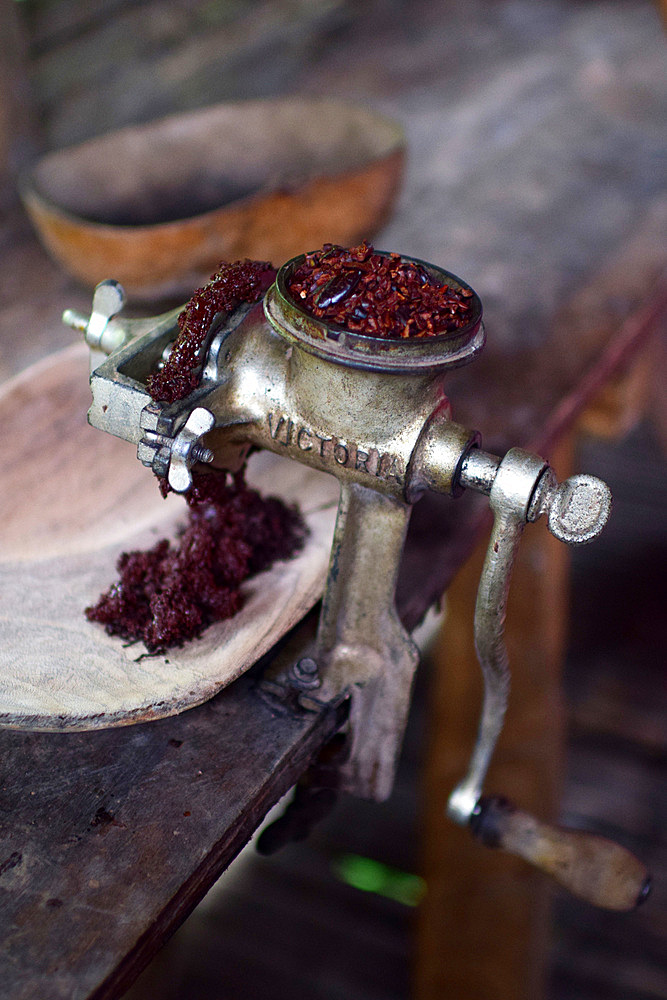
x=374 y=413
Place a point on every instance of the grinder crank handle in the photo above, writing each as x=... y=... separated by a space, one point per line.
x=591 y=867
x=521 y=487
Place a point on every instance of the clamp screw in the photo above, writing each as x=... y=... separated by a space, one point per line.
x=579 y=509
x=174 y=457
x=303 y=674
x=200 y=453
x=187 y=448
x=108 y=301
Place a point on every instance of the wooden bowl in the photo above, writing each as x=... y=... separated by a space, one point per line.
x=158 y=206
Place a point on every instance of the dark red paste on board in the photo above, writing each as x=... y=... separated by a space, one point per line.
x=172 y=592
x=377 y=295
x=232 y=284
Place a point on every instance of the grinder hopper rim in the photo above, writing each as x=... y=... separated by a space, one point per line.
x=413 y=355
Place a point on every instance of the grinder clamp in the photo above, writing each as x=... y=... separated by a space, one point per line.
x=373 y=412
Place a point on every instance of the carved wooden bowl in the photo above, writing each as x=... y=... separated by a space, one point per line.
x=158 y=206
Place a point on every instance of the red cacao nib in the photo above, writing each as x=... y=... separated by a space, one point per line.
x=377 y=295
x=172 y=592
x=232 y=284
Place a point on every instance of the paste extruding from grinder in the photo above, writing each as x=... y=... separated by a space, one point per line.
x=230 y=286
x=172 y=592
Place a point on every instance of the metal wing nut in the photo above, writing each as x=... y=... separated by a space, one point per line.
x=174 y=457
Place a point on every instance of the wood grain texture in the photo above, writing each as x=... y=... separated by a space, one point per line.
x=81 y=500
x=109 y=838
x=18 y=121
x=593 y=868
x=102 y=64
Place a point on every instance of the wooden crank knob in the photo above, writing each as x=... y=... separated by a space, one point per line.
x=589 y=866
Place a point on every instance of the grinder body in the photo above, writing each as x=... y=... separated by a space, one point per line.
x=373 y=413
x=364 y=410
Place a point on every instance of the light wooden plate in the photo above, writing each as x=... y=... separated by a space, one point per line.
x=73 y=498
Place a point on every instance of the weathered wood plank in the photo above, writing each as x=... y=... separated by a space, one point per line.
x=108 y=839
x=18 y=122
x=129 y=62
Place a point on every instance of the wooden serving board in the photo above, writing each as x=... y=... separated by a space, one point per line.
x=71 y=500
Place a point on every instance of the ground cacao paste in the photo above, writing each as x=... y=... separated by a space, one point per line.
x=172 y=592
x=377 y=295
x=231 y=285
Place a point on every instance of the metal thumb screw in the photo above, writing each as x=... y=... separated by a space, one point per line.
x=187 y=448
x=579 y=509
x=108 y=301
x=200 y=453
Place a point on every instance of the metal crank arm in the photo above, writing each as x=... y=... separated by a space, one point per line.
x=521 y=487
